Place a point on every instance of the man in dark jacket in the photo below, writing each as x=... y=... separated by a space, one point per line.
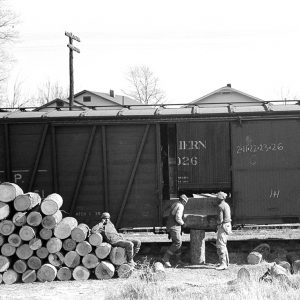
x=174 y=223
x=113 y=237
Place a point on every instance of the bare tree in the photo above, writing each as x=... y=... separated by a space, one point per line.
x=50 y=91
x=17 y=97
x=8 y=34
x=143 y=86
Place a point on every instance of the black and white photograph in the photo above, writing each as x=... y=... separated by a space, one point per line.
x=149 y=149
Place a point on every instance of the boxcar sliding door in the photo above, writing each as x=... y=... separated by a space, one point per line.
x=203 y=156
x=266 y=171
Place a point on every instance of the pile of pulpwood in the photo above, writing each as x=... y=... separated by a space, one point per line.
x=38 y=244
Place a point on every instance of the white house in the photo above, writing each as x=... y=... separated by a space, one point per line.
x=225 y=96
x=98 y=100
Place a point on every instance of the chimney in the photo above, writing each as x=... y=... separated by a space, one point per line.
x=111 y=93
x=229 y=85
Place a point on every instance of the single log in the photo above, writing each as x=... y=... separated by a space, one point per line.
x=64 y=227
x=80 y=233
x=95 y=239
x=197 y=246
x=51 y=204
x=84 y=248
x=34 y=262
x=34 y=218
x=10 y=276
x=1 y=278
x=64 y=274
x=159 y=273
x=46 y=272
x=69 y=245
x=8 y=250
x=27 y=201
x=9 y=191
x=72 y=259
x=19 y=219
x=254 y=258
x=7 y=227
x=27 y=233
x=90 y=261
x=2 y=240
x=81 y=273
x=29 y=276
x=4 y=263
x=103 y=250
x=46 y=234
x=51 y=221
x=262 y=248
x=296 y=266
x=20 y=266
x=24 y=251
x=286 y=265
x=56 y=259
x=4 y=210
x=42 y=252
x=125 y=271
x=35 y=243
x=54 y=245
x=118 y=256
x=14 y=239
x=105 y=270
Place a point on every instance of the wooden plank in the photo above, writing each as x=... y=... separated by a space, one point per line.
x=105 y=170
x=132 y=175
x=38 y=157
x=82 y=170
x=54 y=159
x=159 y=176
x=8 y=173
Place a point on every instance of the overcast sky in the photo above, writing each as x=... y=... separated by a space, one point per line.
x=193 y=47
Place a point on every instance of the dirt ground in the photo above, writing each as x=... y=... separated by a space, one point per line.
x=188 y=277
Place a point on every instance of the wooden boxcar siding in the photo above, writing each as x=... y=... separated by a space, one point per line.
x=203 y=150
x=3 y=158
x=123 y=145
x=266 y=171
x=71 y=159
x=27 y=144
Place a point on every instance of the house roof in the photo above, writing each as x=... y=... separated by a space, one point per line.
x=119 y=99
x=53 y=104
x=223 y=90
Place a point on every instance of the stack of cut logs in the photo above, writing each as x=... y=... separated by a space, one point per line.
x=38 y=244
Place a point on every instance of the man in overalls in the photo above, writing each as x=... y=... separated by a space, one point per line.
x=174 y=223
x=224 y=229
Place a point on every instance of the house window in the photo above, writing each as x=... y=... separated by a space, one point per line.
x=60 y=104
x=86 y=98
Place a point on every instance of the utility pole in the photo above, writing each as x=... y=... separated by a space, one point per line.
x=72 y=48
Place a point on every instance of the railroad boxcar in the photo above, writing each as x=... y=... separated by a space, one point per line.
x=132 y=161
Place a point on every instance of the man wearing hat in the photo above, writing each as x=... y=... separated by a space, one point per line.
x=224 y=229
x=113 y=237
x=174 y=223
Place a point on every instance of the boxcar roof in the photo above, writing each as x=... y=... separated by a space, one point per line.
x=159 y=111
